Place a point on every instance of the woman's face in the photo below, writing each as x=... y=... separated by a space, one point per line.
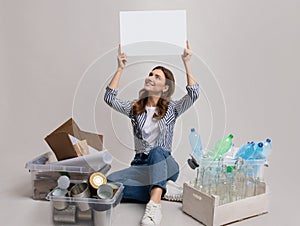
x=155 y=83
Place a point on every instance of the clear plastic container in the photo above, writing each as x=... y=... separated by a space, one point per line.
x=238 y=177
x=44 y=175
x=257 y=165
x=99 y=212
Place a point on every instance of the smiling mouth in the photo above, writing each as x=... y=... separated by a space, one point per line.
x=149 y=84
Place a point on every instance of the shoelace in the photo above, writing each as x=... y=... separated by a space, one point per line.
x=174 y=197
x=151 y=211
x=174 y=193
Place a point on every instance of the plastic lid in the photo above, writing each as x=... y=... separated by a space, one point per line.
x=192 y=129
x=107 y=158
x=63 y=182
x=230 y=136
x=229 y=169
x=268 y=140
x=260 y=144
x=58 y=192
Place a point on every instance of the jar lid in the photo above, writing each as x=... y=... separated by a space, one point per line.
x=97 y=179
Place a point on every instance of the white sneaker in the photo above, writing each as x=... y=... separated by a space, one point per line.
x=174 y=192
x=152 y=214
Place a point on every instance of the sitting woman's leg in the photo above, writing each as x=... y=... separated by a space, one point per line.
x=162 y=167
x=135 y=189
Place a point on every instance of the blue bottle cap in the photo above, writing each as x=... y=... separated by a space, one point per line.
x=192 y=129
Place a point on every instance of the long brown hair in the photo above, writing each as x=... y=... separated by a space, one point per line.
x=162 y=104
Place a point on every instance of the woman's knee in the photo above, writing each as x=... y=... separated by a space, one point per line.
x=174 y=177
x=157 y=153
x=173 y=169
x=115 y=177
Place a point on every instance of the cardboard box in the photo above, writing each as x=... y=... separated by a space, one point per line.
x=206 y=208
x=62 y=146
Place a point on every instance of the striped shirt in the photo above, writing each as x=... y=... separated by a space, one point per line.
x=166 y=124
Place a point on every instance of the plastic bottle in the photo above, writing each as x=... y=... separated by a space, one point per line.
x=196 y=144
x=248 y=151
x=242 y=150
x=250 y=183
x=209 y=181
x=221 y=147
x=223 y=187
x=267 y=148
x=239 y=180
x=257 y=151
x=232 y=192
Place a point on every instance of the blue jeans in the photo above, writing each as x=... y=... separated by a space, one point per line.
x=146 y=172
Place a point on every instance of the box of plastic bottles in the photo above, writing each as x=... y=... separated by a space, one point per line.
x=226 y=191
x=44 y=175
x=90 y=211
x=208 y=210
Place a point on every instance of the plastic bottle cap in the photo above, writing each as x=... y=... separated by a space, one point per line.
x=229 y=169
x=260 y=144
x=268 y=140
x=63 y=182
x=230 y=136
x=192 y=129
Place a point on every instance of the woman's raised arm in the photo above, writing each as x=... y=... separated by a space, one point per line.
x=186 y=56
x=122 y=60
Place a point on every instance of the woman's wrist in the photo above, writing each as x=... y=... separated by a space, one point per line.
x=186 y=62
x=120 y=69
x=187 y=66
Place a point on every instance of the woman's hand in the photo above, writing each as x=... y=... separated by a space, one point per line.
x=122 y=59
x=187 y=54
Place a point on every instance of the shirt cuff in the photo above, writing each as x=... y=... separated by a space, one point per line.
x=111 y=91
x=192 y=87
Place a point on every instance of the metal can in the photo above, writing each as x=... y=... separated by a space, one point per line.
x=101 y=218
x=84 y=215
x=67 y=215
x=97 y=179
x=59 y=202
x=105 y=191
x=81 y=191
x=114 y=186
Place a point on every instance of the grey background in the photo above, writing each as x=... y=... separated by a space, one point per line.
x=48 y=51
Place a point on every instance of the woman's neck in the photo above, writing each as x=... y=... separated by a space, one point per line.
x=152 y=101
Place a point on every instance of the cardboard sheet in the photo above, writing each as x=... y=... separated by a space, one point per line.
x=95 y=160
x=160 y=32
x=61 y=144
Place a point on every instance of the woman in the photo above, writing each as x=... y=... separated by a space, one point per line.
x=153 y=117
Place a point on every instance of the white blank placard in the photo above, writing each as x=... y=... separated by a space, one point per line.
x=160 y=32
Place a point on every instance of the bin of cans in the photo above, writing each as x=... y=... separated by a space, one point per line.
x=44 y=174
x=82 y=205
